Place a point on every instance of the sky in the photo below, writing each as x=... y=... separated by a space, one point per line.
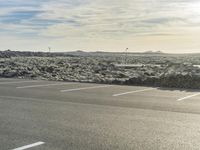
x=171 y=26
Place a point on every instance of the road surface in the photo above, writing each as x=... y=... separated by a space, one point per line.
x=46 y=115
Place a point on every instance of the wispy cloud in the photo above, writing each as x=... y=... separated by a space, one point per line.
x=98 y=21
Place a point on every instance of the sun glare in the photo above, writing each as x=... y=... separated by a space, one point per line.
x=195 y=8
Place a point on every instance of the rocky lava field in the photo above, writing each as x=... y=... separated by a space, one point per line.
x=149 y=69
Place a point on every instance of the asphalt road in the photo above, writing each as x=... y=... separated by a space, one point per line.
x=44 y=115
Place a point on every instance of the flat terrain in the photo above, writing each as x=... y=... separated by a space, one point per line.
x=45 y=115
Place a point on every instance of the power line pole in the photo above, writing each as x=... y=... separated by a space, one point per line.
x=49 y=49
x=126 y=54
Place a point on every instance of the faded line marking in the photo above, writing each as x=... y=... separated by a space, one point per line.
x=17 y=82
x=136 y=91
x=4 y=79
x=29 y=146
x=190 y=96
x=85 y=88
x=42 y=85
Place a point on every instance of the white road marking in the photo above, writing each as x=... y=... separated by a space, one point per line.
x=136 y=91
x=12 y=82
x=3 y=79
x=190 y=96
x=42 y=85
x=85 y=88
x=29 y=146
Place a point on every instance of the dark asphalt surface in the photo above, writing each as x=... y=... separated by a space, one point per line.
x=89 y=119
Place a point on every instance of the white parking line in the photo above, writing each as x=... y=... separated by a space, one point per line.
x=12 y=82
x=85 y=88
x=136 y=91
x=42 y=85
x=3 y=79
x=190 y=96
x=29 y=146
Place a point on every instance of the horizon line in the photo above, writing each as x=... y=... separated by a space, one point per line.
x=99 y=51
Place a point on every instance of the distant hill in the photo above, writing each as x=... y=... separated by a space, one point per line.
x=152 y=52
x=10 y=53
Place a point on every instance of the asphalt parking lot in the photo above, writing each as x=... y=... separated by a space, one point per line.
x=47 y=115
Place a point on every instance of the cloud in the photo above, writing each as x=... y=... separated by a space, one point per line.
x=98 y=20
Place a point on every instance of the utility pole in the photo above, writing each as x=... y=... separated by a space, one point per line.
x=49 y=49
x=126 y=54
